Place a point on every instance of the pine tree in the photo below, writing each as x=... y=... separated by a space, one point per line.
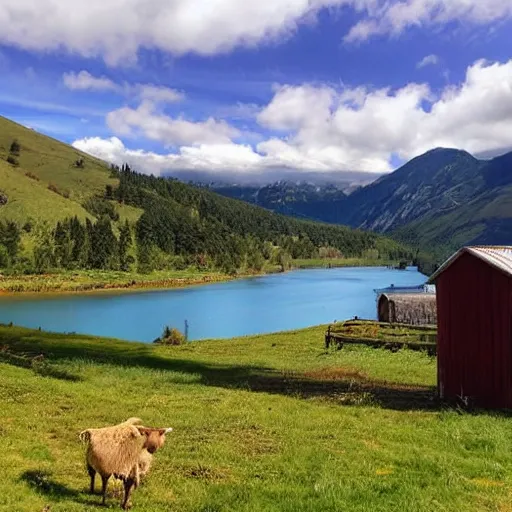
x=44 y=257
x=87 y=252
x=125 y=242
x=10 y=237
x=104 y=250
x=78 y=238
x=109 y=192
x=63 y=245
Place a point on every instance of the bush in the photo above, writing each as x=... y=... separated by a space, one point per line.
x=99 y=207
x=4 y=257
x=53 y=188
x=171 y=336
x=3 y=198
x=79 y=163
x=32 y=176
x=12 y=161
x=15 y=148
x=64 y=193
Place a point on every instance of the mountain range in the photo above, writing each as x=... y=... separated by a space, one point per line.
x=444 y=198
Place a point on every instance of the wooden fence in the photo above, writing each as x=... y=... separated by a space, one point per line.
x=426 y=340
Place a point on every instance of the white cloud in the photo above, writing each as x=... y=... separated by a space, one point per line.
x=429 y=60
x=394 y=17
x=84 y=81
x=145 y=120
x=206 y=157
x=159 y=94
x=117 y=29
x=323 y=129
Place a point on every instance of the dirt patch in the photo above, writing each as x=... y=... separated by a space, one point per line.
x=336 y=374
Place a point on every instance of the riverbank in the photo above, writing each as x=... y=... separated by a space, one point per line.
x=87 y=281
x=82 y=281
x=341 y=263
x=262 y=423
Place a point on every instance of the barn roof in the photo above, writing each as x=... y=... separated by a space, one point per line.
x=499 y=257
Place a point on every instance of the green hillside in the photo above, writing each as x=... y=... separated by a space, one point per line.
x=45 y=162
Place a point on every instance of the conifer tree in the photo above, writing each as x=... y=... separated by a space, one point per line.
x=125 y=242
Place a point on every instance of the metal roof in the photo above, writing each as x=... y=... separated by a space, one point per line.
x=423 y=288
x=499 y=257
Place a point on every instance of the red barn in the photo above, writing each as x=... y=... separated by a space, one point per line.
x=474 y=318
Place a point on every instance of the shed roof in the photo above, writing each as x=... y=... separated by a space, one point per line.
x=499 y=257
x=411 y=308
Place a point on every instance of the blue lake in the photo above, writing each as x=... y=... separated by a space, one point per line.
x=250 y=306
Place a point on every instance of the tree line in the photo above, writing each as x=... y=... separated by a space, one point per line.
x=182 y=225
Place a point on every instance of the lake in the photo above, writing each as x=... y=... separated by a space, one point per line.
x=256 y=305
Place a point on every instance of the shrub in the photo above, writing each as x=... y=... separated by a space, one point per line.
x=99 y=207
x=79 y=163
x=53 y=188
x=27 y=227
x=171 y=336
x=15 y=148
x=12 y=161
x=329 y=252
x=3 y=198
x=32 y=176
x=4 y=257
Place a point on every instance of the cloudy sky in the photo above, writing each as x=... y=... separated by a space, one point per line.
x=254 y=86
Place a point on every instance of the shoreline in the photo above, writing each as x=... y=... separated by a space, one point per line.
x=85 y=282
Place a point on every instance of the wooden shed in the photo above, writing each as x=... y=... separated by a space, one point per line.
x=407 y=308
x=474 y=312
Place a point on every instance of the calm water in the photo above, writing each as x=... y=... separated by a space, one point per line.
x=250 y=306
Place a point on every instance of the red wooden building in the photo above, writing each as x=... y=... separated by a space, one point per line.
x=474 y=318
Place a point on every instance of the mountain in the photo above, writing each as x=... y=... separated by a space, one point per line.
x=298 y=199
x=437 y=182
x=443 y=199
x=60 y=208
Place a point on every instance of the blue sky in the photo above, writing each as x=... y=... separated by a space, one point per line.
x=318 y=85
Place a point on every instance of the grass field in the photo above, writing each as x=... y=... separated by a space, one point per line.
x=264 y=423
x=88 y=280
x=44 y=161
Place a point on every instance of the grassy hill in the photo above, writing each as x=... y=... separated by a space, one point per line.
x=269 y=423
x=45 y=162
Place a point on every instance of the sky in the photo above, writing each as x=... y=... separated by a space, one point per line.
x=223 y=86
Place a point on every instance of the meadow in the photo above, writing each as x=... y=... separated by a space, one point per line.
x=266 y=423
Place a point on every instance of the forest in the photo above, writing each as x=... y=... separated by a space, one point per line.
x=181 y=226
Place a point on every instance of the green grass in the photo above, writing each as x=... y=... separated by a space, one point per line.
x=263 y=423
x=49 y=161
x=339 y=262
x=85 y=280
x=31 y=200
